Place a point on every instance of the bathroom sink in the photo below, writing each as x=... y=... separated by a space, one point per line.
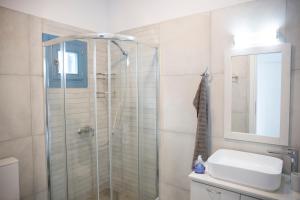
x=249 y=169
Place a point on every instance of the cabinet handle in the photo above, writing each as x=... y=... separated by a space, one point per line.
x=213 y=191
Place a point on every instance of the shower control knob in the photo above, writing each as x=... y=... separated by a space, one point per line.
x=86 y=130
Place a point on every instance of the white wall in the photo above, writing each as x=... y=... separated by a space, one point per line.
x=129 y=14
x=86 y=14
x=113 y=15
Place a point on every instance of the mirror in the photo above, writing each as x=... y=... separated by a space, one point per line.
x=257 y=94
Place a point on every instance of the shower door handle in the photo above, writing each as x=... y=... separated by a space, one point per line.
x=86 y=130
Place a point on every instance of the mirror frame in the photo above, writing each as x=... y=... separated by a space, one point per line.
x=283 y=139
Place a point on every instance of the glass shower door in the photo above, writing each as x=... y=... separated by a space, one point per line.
x=73 y=147
x=80 y=120
x=148 y=77
x=124 y=121
x=102 y=126
x=133 y=115
x=55 y=122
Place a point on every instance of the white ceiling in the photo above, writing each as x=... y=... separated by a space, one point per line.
x=114 y=15
x=86 y=14
x=127 y=14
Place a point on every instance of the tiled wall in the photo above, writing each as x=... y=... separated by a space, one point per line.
x=21 y=107
x=185 y=51
x=22 y=103
x=187 y=46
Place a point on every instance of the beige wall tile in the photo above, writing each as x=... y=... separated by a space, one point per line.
x=177 y=112
x=15 y=114
x=217 y=105
x=185 y=45
x=56 y=28
x=39 y=160
x=41 y=195
x=30 y=197
x=295 y=130
x=22 y=150
x=147 y=34
x=176 y=154
x=293 y=30
x=295 y=110
x=37 y=104
x=169 y=192
x=14 y=33
x=35 y=46
x=295 y=91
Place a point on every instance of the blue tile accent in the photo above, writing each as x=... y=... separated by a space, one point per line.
x=72 y=80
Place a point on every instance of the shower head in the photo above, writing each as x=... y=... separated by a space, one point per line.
x=121 y=49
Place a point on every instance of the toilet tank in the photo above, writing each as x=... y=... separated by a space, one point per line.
x=9 y=179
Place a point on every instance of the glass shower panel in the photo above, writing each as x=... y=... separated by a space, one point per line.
x=148 y=125
x=124 y=119
x=80 y=121
x=56 y=138
x=102 y=119
x=102 y=137
x=71 y=117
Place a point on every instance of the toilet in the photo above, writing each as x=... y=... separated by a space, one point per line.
x=9 y=179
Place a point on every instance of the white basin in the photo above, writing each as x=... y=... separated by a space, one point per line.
x=249 y=169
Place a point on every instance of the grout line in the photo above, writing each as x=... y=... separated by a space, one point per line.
x=16 y=138
x=34 y=75
x=173 y=185
x=191 y=74
x=177 y=132
x=32 y=140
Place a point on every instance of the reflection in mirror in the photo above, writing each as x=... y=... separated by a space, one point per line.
x=256 y=94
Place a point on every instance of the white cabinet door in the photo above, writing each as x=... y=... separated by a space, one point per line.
x=201 y=191
x=243 y=197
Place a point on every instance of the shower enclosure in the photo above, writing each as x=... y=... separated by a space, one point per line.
x=101 y=118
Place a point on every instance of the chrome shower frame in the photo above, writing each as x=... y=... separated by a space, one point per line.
x=112 y=38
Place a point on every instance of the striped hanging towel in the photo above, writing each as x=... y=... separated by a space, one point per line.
x=201 y=105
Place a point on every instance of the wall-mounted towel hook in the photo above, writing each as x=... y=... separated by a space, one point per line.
x=207 y=74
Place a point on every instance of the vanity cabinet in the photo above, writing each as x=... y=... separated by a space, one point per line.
x=243 y=197
x=201 y=191
x=205 y=187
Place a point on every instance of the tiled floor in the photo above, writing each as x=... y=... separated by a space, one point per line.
x=116 y=196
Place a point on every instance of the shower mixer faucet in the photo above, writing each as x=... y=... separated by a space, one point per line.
x=86 y=130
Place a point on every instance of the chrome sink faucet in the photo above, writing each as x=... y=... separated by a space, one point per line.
x=292 y=154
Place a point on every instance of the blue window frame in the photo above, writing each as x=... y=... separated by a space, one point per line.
x=75 y=63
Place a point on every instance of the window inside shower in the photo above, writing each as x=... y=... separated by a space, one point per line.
x=102 y=139
x=72 y=61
